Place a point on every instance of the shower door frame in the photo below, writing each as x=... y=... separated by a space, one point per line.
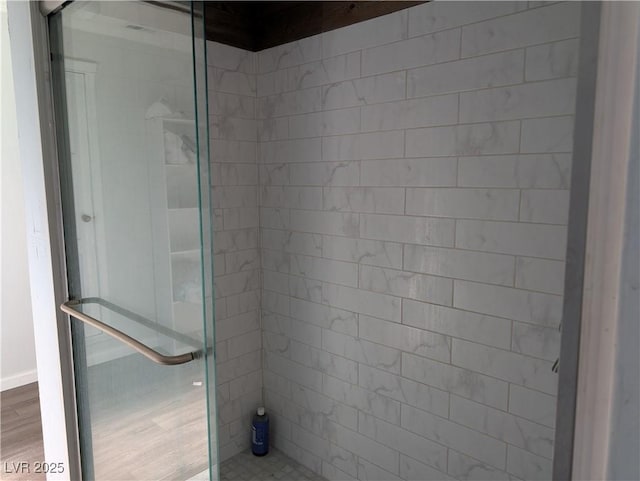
x=29 y=29
x=45 y=239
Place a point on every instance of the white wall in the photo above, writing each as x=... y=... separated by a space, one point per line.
x=17 y=351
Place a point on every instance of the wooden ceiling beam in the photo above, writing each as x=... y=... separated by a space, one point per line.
x=256 y=26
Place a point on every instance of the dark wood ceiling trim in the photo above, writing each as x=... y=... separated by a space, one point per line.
x=259 y=25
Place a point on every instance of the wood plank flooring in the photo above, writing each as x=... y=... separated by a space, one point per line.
x=20 y=432
x=156 y=435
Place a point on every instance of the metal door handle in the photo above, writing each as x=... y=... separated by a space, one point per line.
x=69 y=308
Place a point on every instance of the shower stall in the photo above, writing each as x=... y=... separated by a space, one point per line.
x=352 y=213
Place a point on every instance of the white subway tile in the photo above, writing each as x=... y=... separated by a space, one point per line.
x=325 y=71
x=302 y=243
x=377 y=31
x=516 y=368
x=326 y=450
x=236 y=283
x=512 y=429
x=364 y=199
x=275 y=303
x=334 y=223
x=274 y=174
x=232 y=151
x=359 y=350
x=468 y=469
x=276 y=261
x=543 y=171
x=330 y=122
x=363 y=251
x=276 y=343
x=239 y=366
x=370 y=472
x=546 y=206
x=532 y=405
x=296 y=102
x=242 y=260
x=240 y=218
x=329 y=471
x=293 y=371
x=415 y=52
x=338 y=272
x=468 y=74
x=299 y=150
x=436 y=172
x=408 y=114
x=325 y=316
x=234 y=196
x=362 y=302
x=407 y=284
x=239 y=174
x=406 y=442
x=307 y=289
x=465 y=440
x=539 y=99
x=276 y=128
x=274 y=218
x=232 y=128
x=547 y=135
x=364 y=447
x=540 y=275
x=534 y=240
x=547 y=24
x=325 y=173
x=492 y=331
x=459 y=264
x=474 y=139
x=404 y=390
x=319 y=407
x=497 y=204
x=517 y=304
x=232 y=82
x=237 y=325
x=451 y=379
x=246 y=384
x=290 y=54
x=364 y=91
x=377 y=145
x=525 y=465
x=365 y=401
x=415 y=230
x=272 y=83
x=552 y=60
x=415 y=470
x=435 y=16
x=405 y=338
x=536 y=341
x=312 y=444
x=276 y=383
x=230 y=58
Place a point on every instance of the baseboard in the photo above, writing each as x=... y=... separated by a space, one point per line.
x=18 y=380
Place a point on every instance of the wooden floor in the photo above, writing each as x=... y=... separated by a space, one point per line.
x=156 y=435
x=20 y=432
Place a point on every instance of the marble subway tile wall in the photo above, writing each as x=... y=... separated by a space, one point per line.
x=234 y=175
x=413 y=196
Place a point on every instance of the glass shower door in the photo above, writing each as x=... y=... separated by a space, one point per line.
x=129 y=81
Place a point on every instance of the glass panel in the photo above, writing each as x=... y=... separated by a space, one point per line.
x=130 y=92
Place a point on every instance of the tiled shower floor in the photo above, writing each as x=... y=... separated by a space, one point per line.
x=273 y=466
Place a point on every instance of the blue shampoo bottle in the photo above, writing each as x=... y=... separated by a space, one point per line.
x=260 y=433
